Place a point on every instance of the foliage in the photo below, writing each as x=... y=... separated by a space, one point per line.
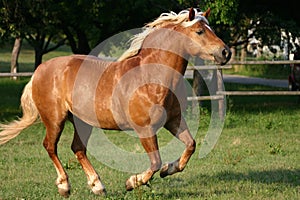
x=82 y=24
x=223 y=11
x=32 y=21
x=233 y=19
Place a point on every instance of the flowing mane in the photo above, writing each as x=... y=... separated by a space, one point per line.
x=163 y=20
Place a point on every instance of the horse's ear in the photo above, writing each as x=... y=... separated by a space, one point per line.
x=191 y=14
x=206 y=13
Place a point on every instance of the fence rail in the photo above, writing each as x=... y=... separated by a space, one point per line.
x=220 y=94
x=257 y=93
x=19 y=74
x=265 y=62
x=208 y=67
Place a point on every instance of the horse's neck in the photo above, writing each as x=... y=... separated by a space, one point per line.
x=165 y=58
x=163 y=46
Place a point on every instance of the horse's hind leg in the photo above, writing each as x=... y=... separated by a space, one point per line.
x=53 y=132
x=182 y=133
x=80 y=140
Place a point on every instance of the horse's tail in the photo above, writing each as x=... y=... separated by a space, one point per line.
x=30 y=114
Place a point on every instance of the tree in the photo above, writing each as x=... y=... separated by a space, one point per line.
x=82 y=24
x=232 y=19
x=96 y=20
x=15 y=55
x=30 y=20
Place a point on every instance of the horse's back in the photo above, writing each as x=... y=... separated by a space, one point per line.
x=57 y=81
x=54 y=77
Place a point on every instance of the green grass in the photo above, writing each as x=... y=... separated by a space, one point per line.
x=256 y=157
x=262 y=71
x=258 y=103
x=10 y=97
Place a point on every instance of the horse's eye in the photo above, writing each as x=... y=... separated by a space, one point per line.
x=200 y=32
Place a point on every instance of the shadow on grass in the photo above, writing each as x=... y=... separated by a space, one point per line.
x=282 y=176
x=213 y=186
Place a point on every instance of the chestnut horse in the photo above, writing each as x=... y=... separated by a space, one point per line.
x=141 y=91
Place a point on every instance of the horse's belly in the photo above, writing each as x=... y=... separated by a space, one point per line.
x=107 y=120
x=97 y=110
x=101 y=118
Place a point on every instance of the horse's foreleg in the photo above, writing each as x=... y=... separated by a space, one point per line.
x=183 y=134
x=81 y=136
x=151 y=147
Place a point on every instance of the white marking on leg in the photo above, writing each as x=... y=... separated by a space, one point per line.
x=96 y=185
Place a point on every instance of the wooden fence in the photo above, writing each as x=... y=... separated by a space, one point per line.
x=220 y=93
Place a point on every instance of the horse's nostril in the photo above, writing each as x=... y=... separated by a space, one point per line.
x=226 y=53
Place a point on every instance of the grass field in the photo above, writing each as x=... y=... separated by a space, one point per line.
x=262 y=71
x=257 y=156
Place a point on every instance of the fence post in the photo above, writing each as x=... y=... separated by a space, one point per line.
x=198 y=84
x=221 y=101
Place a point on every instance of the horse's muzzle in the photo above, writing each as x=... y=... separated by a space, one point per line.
x=224 y=56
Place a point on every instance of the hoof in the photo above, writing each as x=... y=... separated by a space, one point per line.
x=97 y=187
x=97 y=191
x=128 y=187
x=169 y=169
x=64 y=192
x=132 y=183
x=164 y=171
x=63 y=186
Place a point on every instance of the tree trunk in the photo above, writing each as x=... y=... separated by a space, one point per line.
x=233 y=53
x=41 y=47
x=78 y=41
x=38 y=57
x=83 y=44
x=243 y=52
x=14 y=56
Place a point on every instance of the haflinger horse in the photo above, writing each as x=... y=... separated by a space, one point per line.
x=141 y=91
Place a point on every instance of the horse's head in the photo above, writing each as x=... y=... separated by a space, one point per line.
x=204 y=42
x=186 y=33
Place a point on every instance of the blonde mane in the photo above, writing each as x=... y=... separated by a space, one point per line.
x=164 y=19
